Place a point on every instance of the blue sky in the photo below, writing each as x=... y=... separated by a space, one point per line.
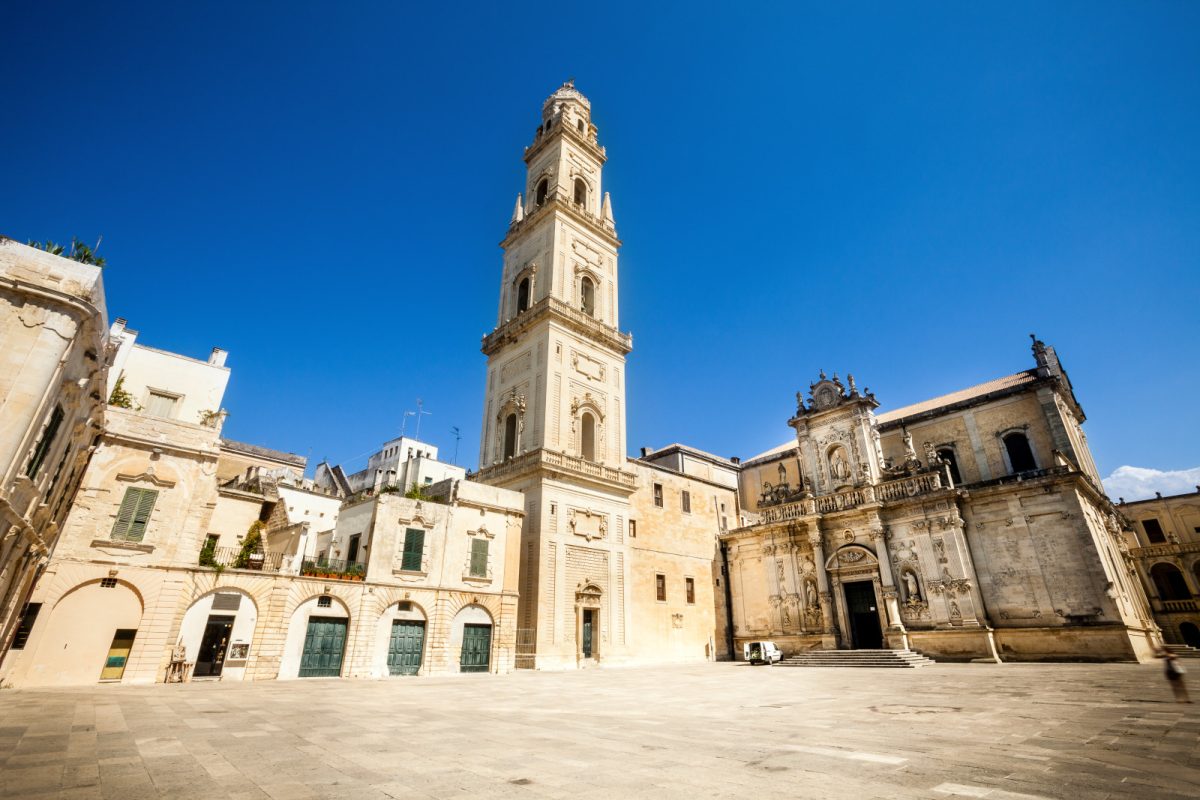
x=902 y=192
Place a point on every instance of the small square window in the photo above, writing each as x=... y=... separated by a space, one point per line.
x=325 y=602
x=108 y=583
x=404 y=605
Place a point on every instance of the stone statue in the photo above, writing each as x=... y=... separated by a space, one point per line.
x=782 y=474
x=838 y=467
x=779 y=572
x=910 y=583
x=811 y=593
x=910 y=452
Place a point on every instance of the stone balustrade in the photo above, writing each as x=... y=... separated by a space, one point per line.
x=564 y=312
x=889 y=491
x=552 y=459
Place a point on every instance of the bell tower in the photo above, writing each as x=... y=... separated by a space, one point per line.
x=554 y=409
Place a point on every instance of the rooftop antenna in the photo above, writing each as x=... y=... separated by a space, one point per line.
x=420 y=412
x=457 y=439
x=404 y=421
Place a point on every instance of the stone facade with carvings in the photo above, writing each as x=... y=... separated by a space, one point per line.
x=1164 y=541
x=54 y=361
x=992 y=537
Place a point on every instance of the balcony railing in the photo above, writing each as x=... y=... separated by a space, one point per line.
x=585 y=323
x=333 y=569
x=232 y=558
x=900 y=489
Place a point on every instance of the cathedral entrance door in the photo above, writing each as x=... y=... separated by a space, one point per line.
x=589 y=618
x=865 y=633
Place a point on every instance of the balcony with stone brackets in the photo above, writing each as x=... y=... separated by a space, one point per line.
x=557 y=200
x=560 y=464
x=553 y=308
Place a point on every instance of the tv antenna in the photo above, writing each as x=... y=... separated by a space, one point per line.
x=421 y=412
x=457 y=438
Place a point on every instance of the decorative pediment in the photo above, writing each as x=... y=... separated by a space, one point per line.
x=851 y=556
x=827 y=393
x=146 y=477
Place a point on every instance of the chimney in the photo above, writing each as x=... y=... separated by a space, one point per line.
x=217 y=359
x=645 y=452
x=735 y=459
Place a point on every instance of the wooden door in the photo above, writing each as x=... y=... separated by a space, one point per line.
x=323 y=646
x=476 y=648
x=118 y=655
x=406 y=647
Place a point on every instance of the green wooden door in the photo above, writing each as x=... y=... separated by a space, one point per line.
x=476 y=648
x=589 y=617
x=323 y=646
x=406 y=646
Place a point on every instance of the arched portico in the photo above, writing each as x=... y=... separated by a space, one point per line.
x=858 y=591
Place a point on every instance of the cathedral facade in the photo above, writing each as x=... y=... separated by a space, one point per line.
x=991 y=538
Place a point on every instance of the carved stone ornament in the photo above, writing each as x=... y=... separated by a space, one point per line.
x=850 y=556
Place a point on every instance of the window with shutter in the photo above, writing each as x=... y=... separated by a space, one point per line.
x=44 y=444
x=134 y=514
x=161 y=404
x=479 y=557
x=414 y=547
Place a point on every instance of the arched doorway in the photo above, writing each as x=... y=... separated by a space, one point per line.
x=89 y=636
x=1190 y=634
x=316 y=639
x=587 y=622
x=217 y=631
x=400 y=640
x=1169 y=582
x=472 y=632
x=854 y=574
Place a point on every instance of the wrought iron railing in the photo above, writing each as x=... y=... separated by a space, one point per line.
x=335 y=569
x=233 y=558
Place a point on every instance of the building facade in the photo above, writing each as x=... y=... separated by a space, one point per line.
x=993 y=539
x=1164 y=541
x=53 y=370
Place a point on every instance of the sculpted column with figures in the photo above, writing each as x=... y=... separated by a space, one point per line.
x=554 y=410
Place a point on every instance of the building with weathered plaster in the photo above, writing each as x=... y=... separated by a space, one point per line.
x=1164 y=542
x=53 y=371
x=161 y=561
x=403 y=462
x=994 y=537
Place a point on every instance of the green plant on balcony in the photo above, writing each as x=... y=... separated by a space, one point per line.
x=120 y=397
x=208 y=557
x=250 y=545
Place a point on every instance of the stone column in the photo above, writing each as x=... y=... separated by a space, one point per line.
x=895 y=625
x=818 y=548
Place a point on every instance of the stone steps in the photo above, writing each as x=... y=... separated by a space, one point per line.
x=896 y=659
x=1182 y=650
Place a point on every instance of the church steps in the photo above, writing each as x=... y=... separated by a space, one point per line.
x=896 y=659
x=1182 y=650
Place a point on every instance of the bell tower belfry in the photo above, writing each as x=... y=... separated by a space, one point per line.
x=554 y=409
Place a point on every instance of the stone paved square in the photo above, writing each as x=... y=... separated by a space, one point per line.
x=715 y=730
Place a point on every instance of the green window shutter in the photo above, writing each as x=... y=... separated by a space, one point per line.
x=141 y=517
x=134 y=514
x=44 y=444
x=479 y=554
x=414 y=547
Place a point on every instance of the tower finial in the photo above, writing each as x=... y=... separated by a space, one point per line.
x=606 y=210
x=518 y=211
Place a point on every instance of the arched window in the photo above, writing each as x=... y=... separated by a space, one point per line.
x=510 y=436
x=1170 y=582
x=587 y=296
x=1020 y=456
x=947 y=454
x=587 y=437
x=1190 y=634
x=580 y=192
x=523 y=295
x=542 y=188
x=579 y=125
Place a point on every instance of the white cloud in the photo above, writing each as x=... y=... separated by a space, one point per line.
x=1140 y=483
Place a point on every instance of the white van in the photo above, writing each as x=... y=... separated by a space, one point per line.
x=761 y=652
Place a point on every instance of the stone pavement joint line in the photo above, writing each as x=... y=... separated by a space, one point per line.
x=1000 y=732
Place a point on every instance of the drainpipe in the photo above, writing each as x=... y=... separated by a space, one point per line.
x=728 y=601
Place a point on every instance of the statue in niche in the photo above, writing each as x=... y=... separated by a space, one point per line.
x=838 y=467
x=782 y=474
x=810 y=592
x=910 y=453
x=910 y=584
